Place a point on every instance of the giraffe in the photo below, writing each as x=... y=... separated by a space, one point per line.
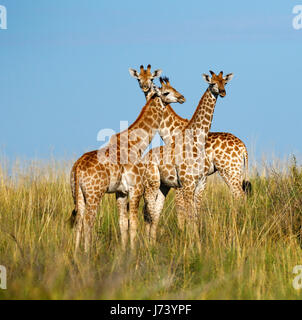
x=185 y=166
x=116 y=168
x=226 y=153
x=145 y=79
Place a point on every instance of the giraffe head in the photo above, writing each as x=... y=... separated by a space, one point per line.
x=168 y=94
x=217 y=82
x=145 y=77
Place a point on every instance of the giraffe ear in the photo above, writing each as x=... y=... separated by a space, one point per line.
x=206 y=78
x=133 y=73
x=228 y=77
x=156 y=73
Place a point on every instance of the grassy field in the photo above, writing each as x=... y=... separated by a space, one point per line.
x=247 y=249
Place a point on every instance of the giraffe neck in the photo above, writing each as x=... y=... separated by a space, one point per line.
x=171 y=125
x=149 y=94
x=171 y=122
x=135 y=140
x=202 y=118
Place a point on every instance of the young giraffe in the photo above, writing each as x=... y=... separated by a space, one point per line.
x=188 y=169
x=226 y=153
x=116 y=168
x=148 y=171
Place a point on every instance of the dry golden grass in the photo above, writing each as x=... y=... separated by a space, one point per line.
x=247 y=250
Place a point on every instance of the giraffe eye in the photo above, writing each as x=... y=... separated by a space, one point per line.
x=166 y=93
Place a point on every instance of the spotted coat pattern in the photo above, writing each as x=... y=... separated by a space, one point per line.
x=224 y=153
x=96 y=172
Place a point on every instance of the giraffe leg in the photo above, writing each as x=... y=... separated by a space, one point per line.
x=79 y=221
x=133 y=213
x=180 y=208
x=199 y=192
x=93 y=198
x=89 y=219
x=190 y=205
x=190 y=208
x=135 y=195
x=76 y=219
x=121 y=199
x=150 y=196
x=188 y=213
x=157 y=210
x=198 y=199
x=152 y=185
x=189 y=196
x=79 y=228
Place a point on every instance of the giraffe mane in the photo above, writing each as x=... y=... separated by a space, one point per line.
x=137 y=119
x=175 y=114
x=164 y=80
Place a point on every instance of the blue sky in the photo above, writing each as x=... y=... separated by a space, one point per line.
x=64 y=70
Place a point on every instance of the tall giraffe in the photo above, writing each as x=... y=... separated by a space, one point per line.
x=116 y=168
x=184 y=165
x=226 y=153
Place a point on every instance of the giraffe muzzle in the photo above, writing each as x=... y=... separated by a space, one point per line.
x=222 y=93
x=181 y=99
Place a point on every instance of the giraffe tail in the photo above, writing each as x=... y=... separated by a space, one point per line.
x=246 y=185
x=73 y=218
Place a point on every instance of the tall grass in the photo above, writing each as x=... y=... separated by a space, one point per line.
x=247 y=250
